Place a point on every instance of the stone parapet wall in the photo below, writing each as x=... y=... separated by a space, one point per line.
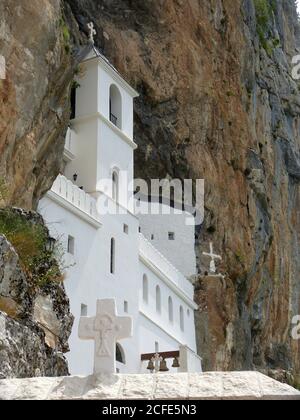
x=208 y=386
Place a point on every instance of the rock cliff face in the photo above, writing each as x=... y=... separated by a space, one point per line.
x=34 y=106
x=217 y=102
x=35 y=320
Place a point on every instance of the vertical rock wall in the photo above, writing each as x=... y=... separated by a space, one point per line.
x=35 y=319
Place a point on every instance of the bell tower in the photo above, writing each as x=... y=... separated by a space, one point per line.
x=102 y=130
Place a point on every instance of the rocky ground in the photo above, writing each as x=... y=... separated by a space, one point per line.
x=35 y=319
x=217 y=102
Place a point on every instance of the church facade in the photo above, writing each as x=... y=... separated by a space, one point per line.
x=141 y=261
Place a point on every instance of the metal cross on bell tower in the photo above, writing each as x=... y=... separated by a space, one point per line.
x=92 y=32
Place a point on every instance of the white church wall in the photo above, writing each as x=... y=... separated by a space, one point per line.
x=90 y=278
x=84 y=139
x=189 y=361
x=180 y=251
x=87 y=96
x=114 y=154
x=151 y=253
x=149 y=337
x=161 y=318
x=99 y=149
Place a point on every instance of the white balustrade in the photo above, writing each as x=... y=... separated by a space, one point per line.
x=164 y=265
x=76 y=196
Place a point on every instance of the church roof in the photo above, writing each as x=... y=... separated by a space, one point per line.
x=92 y=48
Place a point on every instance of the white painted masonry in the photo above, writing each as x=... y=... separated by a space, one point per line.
x=158 y=229
x=99 y=144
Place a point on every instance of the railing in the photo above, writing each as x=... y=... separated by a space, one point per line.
x=114 y=119
x=163 y=264
x=76 y=196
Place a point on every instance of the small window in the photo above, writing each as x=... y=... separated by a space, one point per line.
x=152 y=237
x=84 y=310
x=71 y=245
x=156 y=347
x=170 y=305
x=126 y=229
x=115 y=186
x=188 y=313
x=112 y=256
x=115 y=106
x=73 y=101
x=181 y=315
x=140 y=229
x=171 y=236
x=158 y=300
x=126 y=307
x=145 y=288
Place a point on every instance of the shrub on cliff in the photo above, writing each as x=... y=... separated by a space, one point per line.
x=30 y=239
x=264 y=10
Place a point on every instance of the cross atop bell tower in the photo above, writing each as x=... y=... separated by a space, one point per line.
x=102 y=130
x=92 y=32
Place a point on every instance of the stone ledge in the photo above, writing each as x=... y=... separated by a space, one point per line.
x=207 y=386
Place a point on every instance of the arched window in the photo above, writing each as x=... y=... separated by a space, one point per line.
x=171 y=313
x=112 y=256
x=158 y=299
x=181 y=314
x=120 y=355
x=115 y=106
x=115 y=185
x=145 y=288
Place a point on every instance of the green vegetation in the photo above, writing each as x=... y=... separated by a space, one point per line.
x=3 y=190
x=264 y=10
x=31 y=242
x=65 y=34
x=240 y=259
x=75 y=84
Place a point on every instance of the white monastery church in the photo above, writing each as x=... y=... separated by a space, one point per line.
x=143 y=262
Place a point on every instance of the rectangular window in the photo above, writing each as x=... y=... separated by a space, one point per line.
x=156 y=347
x=112 y=256
x=71 y=245
x=84 y=310
x=171 y=236
x=73 y=101
x=126 y=229
x=152 y=237
x=126 y=307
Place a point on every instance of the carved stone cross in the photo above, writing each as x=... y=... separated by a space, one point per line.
x=106 y=328
x=214 y=257
x=92 y=32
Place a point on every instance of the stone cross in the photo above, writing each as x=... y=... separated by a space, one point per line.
x=92 y=32
x=106 y=328
x=213 y=257
x=157 y=359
